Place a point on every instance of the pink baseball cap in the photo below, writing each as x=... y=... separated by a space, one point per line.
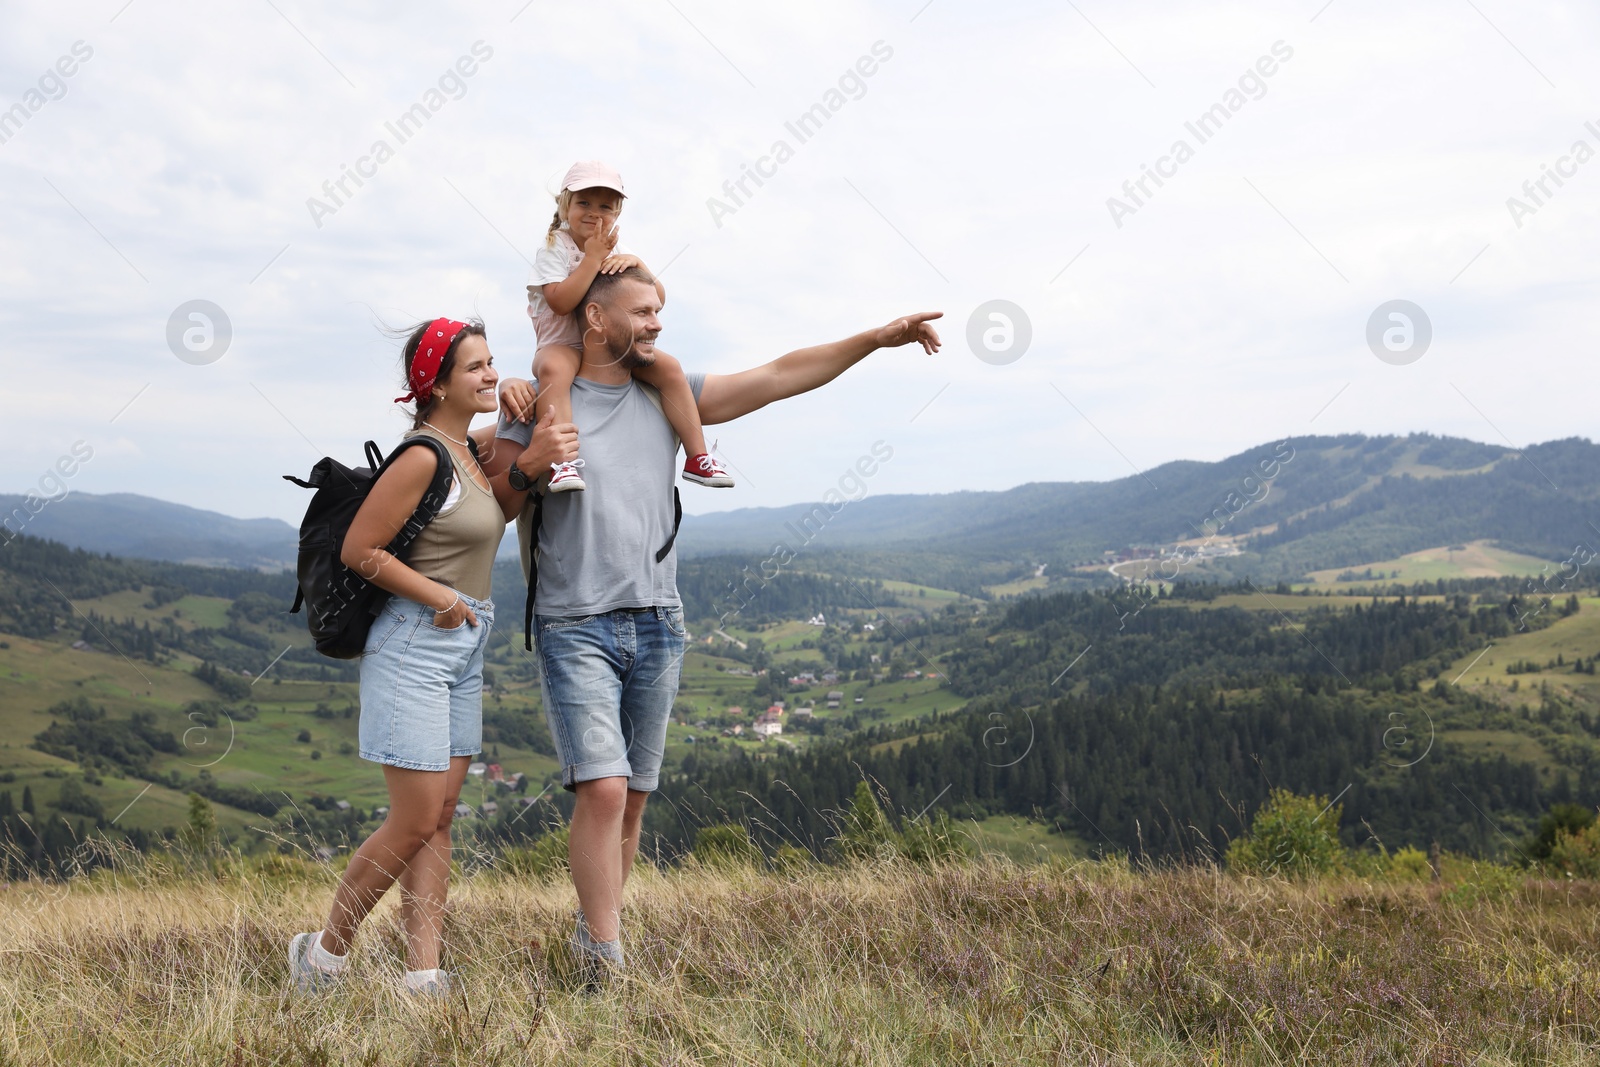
x=592 y=174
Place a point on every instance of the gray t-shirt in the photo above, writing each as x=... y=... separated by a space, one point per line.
x=597 y=548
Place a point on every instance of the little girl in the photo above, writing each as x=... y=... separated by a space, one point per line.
x=581 y=243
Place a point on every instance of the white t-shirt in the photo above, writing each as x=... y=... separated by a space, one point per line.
x=554 y=263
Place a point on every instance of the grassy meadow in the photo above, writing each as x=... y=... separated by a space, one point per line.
x=978 y=962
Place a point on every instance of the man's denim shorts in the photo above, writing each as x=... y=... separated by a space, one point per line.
x=422 y=687
x=609 y=682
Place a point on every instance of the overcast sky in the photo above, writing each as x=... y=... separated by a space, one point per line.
x=1225 y=307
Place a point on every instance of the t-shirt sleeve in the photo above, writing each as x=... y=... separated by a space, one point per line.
x=549 y=265
x=697 y=381
x=513 y=430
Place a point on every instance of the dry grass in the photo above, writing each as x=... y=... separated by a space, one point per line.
x=987 y=964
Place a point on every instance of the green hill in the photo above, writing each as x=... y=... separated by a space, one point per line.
x=1330 y=502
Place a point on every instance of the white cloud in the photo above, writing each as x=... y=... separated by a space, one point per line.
x=990 y=141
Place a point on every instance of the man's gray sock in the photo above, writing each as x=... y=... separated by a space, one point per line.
x=610 y=951
x=584 y=944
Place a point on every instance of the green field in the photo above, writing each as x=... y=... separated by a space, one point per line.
x=1474 y=559
x=1021 y=840
x=261 y=752
x=1484 y=671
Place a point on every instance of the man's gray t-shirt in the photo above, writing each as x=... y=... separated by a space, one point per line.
x=597 y=547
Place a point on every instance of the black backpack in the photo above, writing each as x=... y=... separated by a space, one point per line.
x=340 y=603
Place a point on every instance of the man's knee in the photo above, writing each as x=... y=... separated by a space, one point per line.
x=603 y=796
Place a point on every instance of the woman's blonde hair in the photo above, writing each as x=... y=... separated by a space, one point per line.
x=563 y=205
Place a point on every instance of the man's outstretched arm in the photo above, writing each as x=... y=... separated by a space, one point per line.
x=725 y=397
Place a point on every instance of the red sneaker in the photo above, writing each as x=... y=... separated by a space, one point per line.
x=564 y=477
x=705 y=469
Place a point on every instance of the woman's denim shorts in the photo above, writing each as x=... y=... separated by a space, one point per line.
x=422 y=687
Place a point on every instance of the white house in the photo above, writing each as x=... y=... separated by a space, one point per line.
x=767 y=729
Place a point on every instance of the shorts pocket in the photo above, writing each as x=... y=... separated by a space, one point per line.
x=384 y=625
x=675 y=623
x=547 y=625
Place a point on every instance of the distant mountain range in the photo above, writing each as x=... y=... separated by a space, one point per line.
x=127 y=524
x=1332 y=501
x=1287 y=507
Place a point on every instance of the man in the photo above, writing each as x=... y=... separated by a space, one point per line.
x=609 y=623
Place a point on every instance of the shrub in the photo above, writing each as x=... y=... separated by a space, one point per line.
x=545 y=859
x=1575 y=853
x=283 y=866
x=1487 y=883
x=1292 y=836
x=725 y=845
x=931 y=840
x=1561 y=818
x=1410 y=865
x=792 y=859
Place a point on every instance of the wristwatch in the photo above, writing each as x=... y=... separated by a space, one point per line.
x=518 y=479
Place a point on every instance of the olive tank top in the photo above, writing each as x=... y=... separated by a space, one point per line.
x=458 y=547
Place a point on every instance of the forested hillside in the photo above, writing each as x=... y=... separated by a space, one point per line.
x=1149 y=719
x=1159 y=731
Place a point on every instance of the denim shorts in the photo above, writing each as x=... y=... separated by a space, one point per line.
x=422 y=687
x=609 y=682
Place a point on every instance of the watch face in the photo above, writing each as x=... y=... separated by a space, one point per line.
x=518 y=479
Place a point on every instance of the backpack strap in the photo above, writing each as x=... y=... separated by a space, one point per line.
x=533 y=570
x=433 y=497
x=653 y=395
x=677 y=520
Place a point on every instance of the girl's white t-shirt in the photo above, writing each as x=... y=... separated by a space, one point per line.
x=553 y=263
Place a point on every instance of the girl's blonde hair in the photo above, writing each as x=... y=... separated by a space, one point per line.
x=563 y=205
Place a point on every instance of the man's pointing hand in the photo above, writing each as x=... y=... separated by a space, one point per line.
x=911 y=328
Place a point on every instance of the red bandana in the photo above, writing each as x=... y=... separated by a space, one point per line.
x=436 y=340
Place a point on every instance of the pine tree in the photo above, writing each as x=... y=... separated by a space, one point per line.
x=866 y=829
x=27 y=800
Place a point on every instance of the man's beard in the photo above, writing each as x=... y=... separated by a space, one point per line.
x=627 y=353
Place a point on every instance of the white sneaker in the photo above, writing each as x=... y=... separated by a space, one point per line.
x=307 y=976
x=564 y=477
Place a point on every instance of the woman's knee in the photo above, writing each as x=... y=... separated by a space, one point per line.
x=407 y=834
x=447 y=814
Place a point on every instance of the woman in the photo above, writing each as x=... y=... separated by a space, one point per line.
x=422 y=670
